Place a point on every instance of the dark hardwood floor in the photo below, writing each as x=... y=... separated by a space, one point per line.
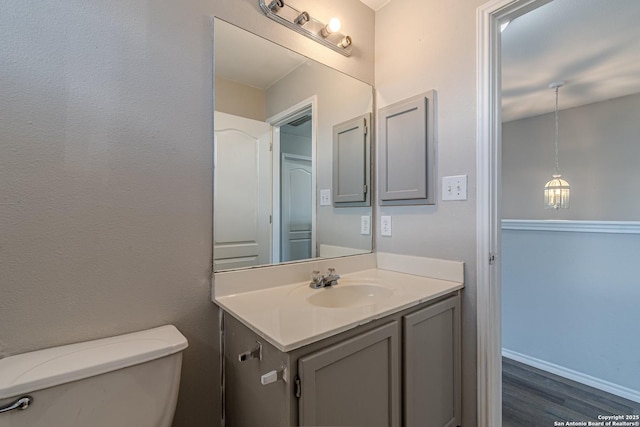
x=535 y=398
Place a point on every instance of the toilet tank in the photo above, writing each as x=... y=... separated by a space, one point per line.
x=129 y=380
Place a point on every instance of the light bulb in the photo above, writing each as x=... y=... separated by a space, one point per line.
x=345 y=42
x=302 y=19
x=333 y=26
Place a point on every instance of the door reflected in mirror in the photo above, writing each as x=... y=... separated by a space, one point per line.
x=274 y=118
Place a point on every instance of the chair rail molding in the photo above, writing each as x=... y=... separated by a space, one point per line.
x=576 y=226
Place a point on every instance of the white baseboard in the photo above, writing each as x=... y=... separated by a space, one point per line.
x=576 y=376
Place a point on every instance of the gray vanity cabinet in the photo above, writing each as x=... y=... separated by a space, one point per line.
x=353 y=383
x=431 y=359
x=400 y=370
x=246 y=401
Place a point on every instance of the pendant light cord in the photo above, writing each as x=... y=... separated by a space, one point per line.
x=557 y=169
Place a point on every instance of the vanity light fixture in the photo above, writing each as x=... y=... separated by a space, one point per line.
x=276 y=5
x=302 y=22
x=302 y=19
x=556 y=191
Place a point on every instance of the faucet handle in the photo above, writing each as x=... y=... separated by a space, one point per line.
x=317 y=280
x=331 y=278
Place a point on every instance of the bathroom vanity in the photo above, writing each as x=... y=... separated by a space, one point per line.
x=381 y=348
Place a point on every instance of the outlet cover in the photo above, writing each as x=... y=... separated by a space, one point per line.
x=385 y=225
x=325 y=197
x=454 y=187
x=365 y=225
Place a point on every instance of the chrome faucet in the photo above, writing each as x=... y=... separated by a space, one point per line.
x=321 y=281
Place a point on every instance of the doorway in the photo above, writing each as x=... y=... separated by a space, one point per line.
x=490 y=205
x=490 y=16
x=294 y=183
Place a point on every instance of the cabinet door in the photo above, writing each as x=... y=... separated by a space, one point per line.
x=432 y=365
x=351 y=160
x=406 y=151
x=353 y=383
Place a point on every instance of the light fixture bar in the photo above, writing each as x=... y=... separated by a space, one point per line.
x=302 y=22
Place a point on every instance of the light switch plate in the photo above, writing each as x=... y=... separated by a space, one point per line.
x=325 y=197
x=385 y=225
x=365 y=225
x=454 y=187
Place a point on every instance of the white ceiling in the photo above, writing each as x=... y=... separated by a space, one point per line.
x=594 y=45
x=375 y=4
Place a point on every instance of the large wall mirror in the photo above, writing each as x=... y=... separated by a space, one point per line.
x=275 y=112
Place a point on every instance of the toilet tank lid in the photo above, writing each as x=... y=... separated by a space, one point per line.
x=37 y=370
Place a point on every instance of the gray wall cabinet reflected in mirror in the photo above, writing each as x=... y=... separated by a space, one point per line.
x=352 y=162
x=274 y=118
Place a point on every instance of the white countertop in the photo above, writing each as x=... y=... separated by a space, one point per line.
x=285 y=317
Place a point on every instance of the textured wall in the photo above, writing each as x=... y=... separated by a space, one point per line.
x=424 y=45
x=599 y=152
x=105 y=165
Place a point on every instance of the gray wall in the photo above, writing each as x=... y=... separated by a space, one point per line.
x=599 y=154
x=580 y=296
x=574 y=305
x=105 y=164
x=339 y=98
x=423 y=45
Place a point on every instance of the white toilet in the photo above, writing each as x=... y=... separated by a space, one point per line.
x=125 y=381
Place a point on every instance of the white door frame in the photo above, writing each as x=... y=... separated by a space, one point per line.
x=276 y=121
x=489 y=170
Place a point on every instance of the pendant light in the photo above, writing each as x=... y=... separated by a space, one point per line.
x=556 y=191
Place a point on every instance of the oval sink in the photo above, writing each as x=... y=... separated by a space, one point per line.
x=349 y=296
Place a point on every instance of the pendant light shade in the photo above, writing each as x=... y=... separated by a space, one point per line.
x=556 y=191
